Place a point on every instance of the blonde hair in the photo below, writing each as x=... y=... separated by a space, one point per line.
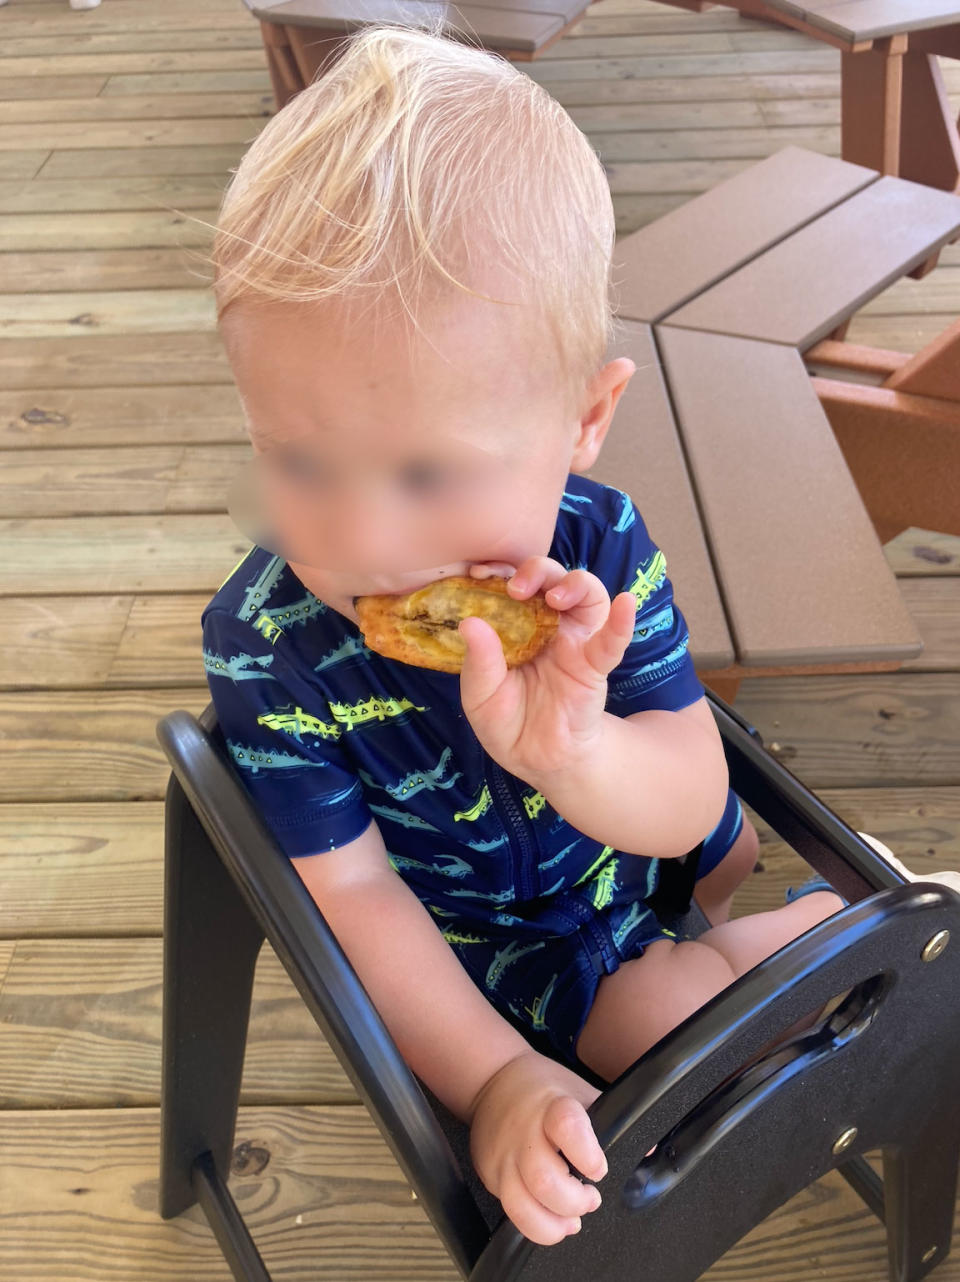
x=412 y=162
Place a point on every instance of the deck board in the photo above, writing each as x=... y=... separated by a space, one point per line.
x=118 y=423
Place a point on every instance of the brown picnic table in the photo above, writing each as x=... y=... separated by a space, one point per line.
x=896 y=117
x=301 y=36
x=771 y=491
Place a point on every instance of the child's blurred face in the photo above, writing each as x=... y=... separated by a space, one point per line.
x=386 y=462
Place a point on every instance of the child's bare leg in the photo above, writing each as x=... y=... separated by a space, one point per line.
x=714 y=894
x=646 y=997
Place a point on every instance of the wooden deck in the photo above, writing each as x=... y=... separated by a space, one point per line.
x=119 y=425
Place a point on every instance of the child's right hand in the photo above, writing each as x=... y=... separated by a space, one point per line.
x=530 y=1109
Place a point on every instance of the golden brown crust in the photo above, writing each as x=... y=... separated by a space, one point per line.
x=421 y=627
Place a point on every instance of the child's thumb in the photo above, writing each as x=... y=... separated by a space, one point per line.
x=484 y=667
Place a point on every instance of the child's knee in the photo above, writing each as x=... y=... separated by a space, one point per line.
x=647 y=997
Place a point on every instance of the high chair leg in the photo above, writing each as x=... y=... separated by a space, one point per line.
x=211 y=943
x=920 y=1194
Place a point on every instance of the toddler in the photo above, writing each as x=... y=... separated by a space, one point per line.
x=412 y=270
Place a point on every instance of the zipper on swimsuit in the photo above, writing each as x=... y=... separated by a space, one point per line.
x=515 y=819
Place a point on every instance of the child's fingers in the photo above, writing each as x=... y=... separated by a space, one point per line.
x=536 y=574
x=548 y=1177
x=531 y=1217
x=567 y=1126
x=606 y=648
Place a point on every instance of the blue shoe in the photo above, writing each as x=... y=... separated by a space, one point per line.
x=809 y=888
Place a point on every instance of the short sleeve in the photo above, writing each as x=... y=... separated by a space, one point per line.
x=656 y=671
x=288 y=760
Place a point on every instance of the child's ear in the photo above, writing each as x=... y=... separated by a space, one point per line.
x=603 y=391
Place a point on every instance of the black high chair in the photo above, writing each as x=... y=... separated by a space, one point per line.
x=739 y=1128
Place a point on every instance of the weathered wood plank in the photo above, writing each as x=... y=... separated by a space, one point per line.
x=6 y=956
x=127 y=311
x=69 y=135
x=934 y=606
x=13 y=88
x=110 y=230
x=104 y=195
x=318 y=1186
x=120 y=361
x=118 y=554
x=883 y=730
x=123 y=641
x=877 y=731
x=923 y=552
x=80 y=1027
x=53 y=417
x=920 y=825
x=111 y=641
x=626 y=153
x=50 y=271
x=81 y=870
x=108 y=738
x=135 y=62
x=36 y=109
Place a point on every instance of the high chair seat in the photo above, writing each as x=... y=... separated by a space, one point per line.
x=738 y=1127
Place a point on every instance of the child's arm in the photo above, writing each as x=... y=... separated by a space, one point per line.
x=522 y=1107
x=651 y=784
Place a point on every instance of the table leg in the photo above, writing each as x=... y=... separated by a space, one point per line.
x=903 y=452
x=313 y=50
x=871 y=92
x=284 y=73
x=929 y=144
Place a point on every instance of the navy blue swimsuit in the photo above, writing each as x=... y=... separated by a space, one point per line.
x=327 y=736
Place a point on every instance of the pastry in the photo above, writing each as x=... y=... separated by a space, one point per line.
x=421 y=627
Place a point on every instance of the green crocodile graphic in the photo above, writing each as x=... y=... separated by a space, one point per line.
x=454 y=937
x=349 y=715
x=538 y=1009
x=647 y=581
x=604 y=884
x=480 y=807
x=533 y=803
x=603 y=856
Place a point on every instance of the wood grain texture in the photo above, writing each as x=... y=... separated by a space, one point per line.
x=83 y=870
x=80 y=1026
x=79 y=1194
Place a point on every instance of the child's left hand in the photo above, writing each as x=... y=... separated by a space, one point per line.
x=539 y=719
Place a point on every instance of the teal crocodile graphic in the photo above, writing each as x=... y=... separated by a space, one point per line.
x=256 y=759
x=352 y=648
x=417 y=780
x=451 y=867
x=505 y=957
x=404 y=819
x=238 y=667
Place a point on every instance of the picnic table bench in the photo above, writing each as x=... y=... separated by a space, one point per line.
x=895 y=115
x=301 y=36
x=771 y=527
